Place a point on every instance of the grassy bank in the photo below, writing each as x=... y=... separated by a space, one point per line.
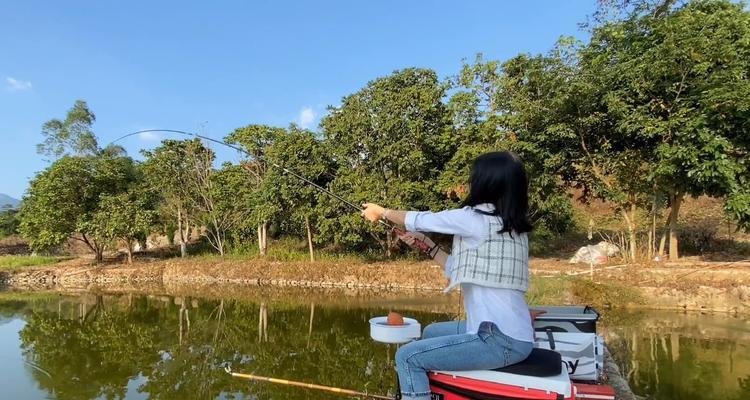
x=577 y=290
x=16 y=262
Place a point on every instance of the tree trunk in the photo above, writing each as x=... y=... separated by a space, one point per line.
x=183 y=245
x=262 y=238
x=663 y=240
x=265 y=237
x=674 y=252
x=309 y=238
x=652 y=231
x=388 y=244
x=632 y=241
x=130 y=252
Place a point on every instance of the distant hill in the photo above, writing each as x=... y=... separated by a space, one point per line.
x=7 y=200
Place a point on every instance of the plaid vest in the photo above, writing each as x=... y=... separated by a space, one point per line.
x=500 y=261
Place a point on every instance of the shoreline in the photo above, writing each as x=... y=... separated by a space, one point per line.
x=723 y=291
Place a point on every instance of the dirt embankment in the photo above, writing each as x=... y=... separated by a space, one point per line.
x=720 y=287
x=74 y=275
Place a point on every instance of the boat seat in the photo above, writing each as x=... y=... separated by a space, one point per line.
x=540 y=363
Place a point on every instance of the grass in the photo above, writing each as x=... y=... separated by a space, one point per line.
x=568 y=290
x=605 y=294
x=546 y=291
x=14 y=262
x=294 y=250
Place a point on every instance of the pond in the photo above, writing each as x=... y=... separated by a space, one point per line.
x=144 y=346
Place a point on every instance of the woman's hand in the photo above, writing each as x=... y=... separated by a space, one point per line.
x=372 y=212
x=411 y=237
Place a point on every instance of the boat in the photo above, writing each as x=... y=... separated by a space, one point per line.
x=565 y=364
x=545 y=375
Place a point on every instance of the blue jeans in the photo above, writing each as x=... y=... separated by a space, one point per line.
x=446 y=346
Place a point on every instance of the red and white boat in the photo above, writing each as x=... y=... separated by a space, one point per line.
x=540 y=377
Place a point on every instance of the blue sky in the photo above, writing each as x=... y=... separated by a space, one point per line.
x=213 y=66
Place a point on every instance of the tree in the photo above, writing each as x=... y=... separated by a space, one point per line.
x=71 y=136
x=62 y=200
x=395 y=135
x=8 y=222
x=127 y=217
x=483 y=121
x=168 y=170
x=301 y=152
x=219 y=205
x=261 y=197
x=676 y=83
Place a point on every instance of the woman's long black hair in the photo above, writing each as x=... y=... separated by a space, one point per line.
x=499 y=178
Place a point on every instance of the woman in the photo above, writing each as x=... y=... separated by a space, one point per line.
x=489 y=260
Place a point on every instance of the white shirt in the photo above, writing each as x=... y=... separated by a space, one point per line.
x=506 y=308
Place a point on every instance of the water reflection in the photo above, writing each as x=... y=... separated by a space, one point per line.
x=175 y=348
x=137 y=347
x=682 y=356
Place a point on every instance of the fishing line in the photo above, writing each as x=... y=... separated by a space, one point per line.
x=399 y=233
x=241 y=150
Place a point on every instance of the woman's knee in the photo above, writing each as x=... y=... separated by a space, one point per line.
x=405 y=355
x=402 y=355
x=431 y=330
x=445 y=328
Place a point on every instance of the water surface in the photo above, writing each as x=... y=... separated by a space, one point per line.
x=160 y=347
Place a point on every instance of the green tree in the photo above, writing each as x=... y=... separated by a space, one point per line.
x=675 y=84
x=62 y=200
x=301 y=152
x=220 y=205
x=127 y=217
x=260 y=194
x=71 y=136
x=8 y=222
x=395 y=135
x=168 y=171
x=483 y=121
x=555 y=112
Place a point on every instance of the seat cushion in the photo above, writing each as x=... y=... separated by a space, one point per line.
x=540 y=362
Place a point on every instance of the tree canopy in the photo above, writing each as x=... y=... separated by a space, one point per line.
x=650 y=108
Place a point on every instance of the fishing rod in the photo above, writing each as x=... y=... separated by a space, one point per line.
x=421 y=245
x=241 y=150
x=286 y=382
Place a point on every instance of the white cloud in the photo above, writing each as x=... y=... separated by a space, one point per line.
x=149 y=136
x=306 y=117
x=16 y=85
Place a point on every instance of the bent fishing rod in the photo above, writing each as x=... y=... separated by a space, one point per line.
x=399 y=232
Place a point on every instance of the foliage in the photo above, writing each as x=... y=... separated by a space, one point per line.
x=62 y=201
x=675 y=88
x=71 y=136
x=126 y=217
x=170 y=175
x=8 y=222
x=651 y=108
x=482 y=108
x=395 y=135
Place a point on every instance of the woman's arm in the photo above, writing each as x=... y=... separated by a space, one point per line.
x=450 y=222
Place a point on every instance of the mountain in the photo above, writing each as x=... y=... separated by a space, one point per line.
x=7 y=200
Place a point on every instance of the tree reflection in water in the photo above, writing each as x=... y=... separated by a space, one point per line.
x=174 y=351
x=175 y=348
